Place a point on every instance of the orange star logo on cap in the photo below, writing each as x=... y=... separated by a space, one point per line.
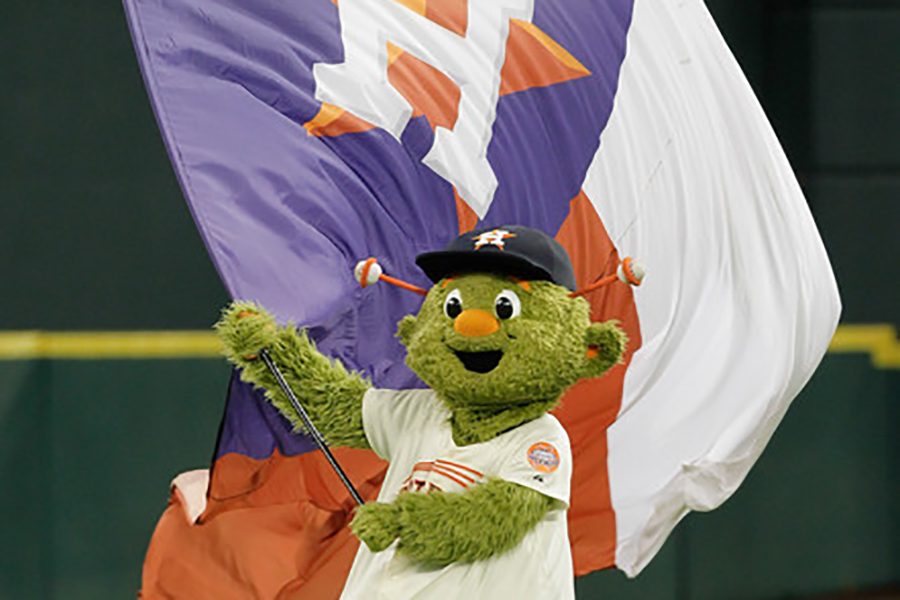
x=494 y=237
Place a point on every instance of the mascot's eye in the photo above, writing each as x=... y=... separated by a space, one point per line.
x=507 y=305
x=453 y=304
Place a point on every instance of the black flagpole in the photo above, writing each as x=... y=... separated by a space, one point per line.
x=310 y=427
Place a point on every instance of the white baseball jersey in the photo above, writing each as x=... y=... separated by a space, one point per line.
x=411 y=430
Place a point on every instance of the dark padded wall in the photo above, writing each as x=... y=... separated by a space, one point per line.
x=826 y=72
x=95 y=233
x=87 y=451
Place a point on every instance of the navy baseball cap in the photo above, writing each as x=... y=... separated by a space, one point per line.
x=510 y=250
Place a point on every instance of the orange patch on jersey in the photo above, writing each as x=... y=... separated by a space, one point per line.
x=543 y=457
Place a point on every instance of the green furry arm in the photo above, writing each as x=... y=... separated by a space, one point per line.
x=440 y=528
x=331 y=394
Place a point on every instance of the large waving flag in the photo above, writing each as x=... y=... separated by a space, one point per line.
x=308 y=136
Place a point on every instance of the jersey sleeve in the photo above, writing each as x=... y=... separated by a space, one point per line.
x=391 y=417
x=540 y=458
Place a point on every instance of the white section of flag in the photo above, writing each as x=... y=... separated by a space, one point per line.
x=739 y=303
x=191 y=487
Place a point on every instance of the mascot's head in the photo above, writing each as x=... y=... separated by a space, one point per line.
x=500 y=327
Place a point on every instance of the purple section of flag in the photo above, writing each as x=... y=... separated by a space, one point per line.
x=254 y=428
x=286 y=216
x=545 y=138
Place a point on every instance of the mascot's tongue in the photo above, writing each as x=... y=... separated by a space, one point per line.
x=479 y=362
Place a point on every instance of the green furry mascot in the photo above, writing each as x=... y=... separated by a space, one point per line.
x=473 y=503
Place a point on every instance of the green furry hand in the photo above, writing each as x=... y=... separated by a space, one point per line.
x=439 y=528
x=331 y=395
x=245 y=328
x=377 y=524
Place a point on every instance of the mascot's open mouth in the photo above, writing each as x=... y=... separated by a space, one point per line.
x=479 y=362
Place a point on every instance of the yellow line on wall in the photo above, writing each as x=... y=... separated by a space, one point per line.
x=28 y=345
x=879 y=341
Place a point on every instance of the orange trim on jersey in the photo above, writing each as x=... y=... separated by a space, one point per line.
x=459 y=466
x=451 y=476
x=456 y=472
x=432 y=467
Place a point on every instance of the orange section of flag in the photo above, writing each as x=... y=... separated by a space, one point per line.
x=331 y=121
x=465 y=217
x=417 y=6
x=452 y=14
x=591 y=406
x=533 y=59
x=294 y=543
x=428 y=90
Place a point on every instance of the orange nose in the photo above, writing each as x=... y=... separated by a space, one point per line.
x=475 y=323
